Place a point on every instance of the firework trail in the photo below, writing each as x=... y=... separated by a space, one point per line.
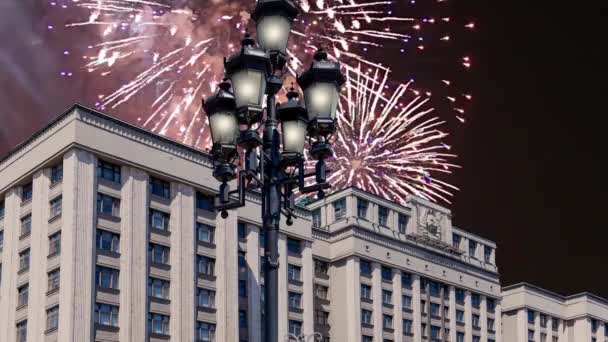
x=160 y=58
x=388 y=143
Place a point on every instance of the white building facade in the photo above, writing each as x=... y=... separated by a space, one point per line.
x=107 y=233
x=534 y=314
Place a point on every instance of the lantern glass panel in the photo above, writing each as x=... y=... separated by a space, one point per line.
x=294 y=135
x=321 y=100
x=224 y=128
x=249 y=87
x=273 y=32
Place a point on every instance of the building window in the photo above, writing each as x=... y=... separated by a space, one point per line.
x=106 y=314
x=365 y=338
x=406 y=302
x=1 y=239
x=242 y=231
x=472 y=248
x=106 y=277
x=531 y=317
x=53 y=280
x=340 y=208
x=435 y=288
x=406 y=280
x=407 y=326
x=446 y=311
x=205 y=265
x=362 y=206
x=204 y=201
x=26 y=193
x=487 y=254
x=387 y=297
x=158 y=324
x=435 y=309
x=24 y=260
x=205 y=298
x=2 y=208
x=26 y=225
x=295 y=328
x=321 y=317
x=52 y=318
x=530 y=335
x=459 y=316
x=205 y=332
x=159 y=187
x=460 y=296
x=294 y=272
x=490 y=305
x=382 y=216
x=55 y=205
x=23 y=295
x=475 y=300
x=321 y=267
x=387 y=273
x=366 y=317
x=159 y=288
x=475 y=321
x=456 y=240
x=205 y=233
x=316 y=218
x=490 y=324
x=108 y=171
x=294 y=246
x=366 y=292
x=295 y=300
x=55 y=243
x=365 y=268
x=107 y=241
x=57 y=173
x=21 y=332
x=243 y=318
x=543 y=322
x=476 y=338
x=459 y=337
x=159 y=254
x=555 y=325
x=242 y=262
x=435 y=332
x=108 y=205
x=321 y=291
x=387 y=321
x=402 y=221
x=262 y=237
x=159 y=220
x=243 y=288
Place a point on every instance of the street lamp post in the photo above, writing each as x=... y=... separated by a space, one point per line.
x=235 y=113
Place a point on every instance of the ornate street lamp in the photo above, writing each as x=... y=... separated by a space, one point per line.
x=273 y=164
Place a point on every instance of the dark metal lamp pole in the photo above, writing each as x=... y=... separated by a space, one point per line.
x=277 y=169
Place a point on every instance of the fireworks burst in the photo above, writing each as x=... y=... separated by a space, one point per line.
x=160 y=58
x=388 y=144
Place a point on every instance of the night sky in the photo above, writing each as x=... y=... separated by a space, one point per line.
x=532 y=149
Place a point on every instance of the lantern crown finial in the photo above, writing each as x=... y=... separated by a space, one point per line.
x=321 y=54
x=247 y=39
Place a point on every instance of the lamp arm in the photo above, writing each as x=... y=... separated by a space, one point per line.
x=231 y=204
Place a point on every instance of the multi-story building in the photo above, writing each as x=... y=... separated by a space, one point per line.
x=534 y=314
x=108 y=233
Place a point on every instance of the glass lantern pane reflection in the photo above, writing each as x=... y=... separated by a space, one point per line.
x=321 y=100
x=294 y=136
x=273 y=33
x=249 y=87
x=224 y=128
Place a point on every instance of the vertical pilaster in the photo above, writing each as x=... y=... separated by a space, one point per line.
x=483 y=317
x=253 y=279
x=582 y=330
x=39 y=249
x=353 y=296
x=308 y=295
x=226 y=271
x=283 y=283
x=550 y=331
x=468 y=317
x=522 y=325
x=183 y=256
x=377 y=298
x=133 y=255
x=452 y=313
x=398 y=306
x=417 y=308
x=77 y=247
x=498 y=321
x=601 y=332
x=537 y=326
x=10 y=264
